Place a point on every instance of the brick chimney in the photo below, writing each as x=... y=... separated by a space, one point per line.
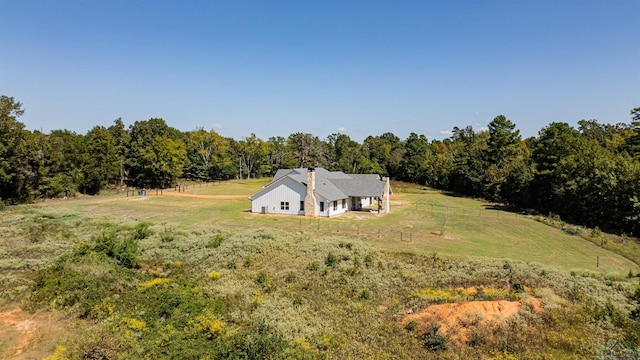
x=310 y=199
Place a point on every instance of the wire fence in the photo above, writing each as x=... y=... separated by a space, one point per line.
x=429 y=228
x=180 y=188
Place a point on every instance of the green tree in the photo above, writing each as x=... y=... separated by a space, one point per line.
x=102 y=163
x=14 y=156
x=439 y=164
x=504 y=155
x=251 y=154
x=632 y=145
x=162 y=161
x=151 y=141
x=469 y=151
x=378 y=151
x=61 y=173
x=414 y=162
x=279 y=155
x=344 y=154
x=208 y=154
x=121 y=139
x=308 y=150
x=555 y=144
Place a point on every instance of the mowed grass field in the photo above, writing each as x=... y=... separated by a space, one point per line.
x=421 y=221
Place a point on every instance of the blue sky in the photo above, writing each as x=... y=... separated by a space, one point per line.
x=322 y=67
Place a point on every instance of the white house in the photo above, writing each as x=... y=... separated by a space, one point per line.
x=318 y=192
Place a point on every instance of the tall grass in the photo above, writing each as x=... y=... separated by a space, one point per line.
x=201 y=278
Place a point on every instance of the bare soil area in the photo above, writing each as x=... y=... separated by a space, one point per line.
x=19 y=330
x=455 y=319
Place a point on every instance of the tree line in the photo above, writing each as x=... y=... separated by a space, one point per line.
x=588 y=175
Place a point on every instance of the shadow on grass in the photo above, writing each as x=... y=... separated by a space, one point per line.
x=510 y=209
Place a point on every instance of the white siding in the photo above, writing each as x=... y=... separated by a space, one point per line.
x=287 y=190
x=338 y=209
x=325 y=212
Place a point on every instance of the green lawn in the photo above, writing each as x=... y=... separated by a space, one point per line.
x=472 y=227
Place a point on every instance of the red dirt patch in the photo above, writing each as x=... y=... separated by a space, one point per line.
x=456 y=318
x=19 y=329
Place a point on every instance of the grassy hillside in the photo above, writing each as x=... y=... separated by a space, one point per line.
x=177 y=276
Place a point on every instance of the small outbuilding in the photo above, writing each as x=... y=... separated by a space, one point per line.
x=319 y=192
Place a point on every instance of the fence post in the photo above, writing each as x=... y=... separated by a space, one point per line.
x=598 y=261
x=318 y=224
x=378 y=233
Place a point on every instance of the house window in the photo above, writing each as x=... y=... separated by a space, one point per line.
x=335 y=205
x=344 y=203
x=321 y=206
x=301 y=205
x=284 y=205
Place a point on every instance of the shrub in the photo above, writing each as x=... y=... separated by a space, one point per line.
x=433 y=340
x=368 y=261
x=313 y=266
x=134 y=324
x=154 y=282
x=208 y=324
x=214 y=275
x=262 y=279
x=127 y=254
x=248 y=261
x=62 y=286
x=215 y=241
x=291 y=277
x=58 y=354
x=167 y=235
x=331 y=260
x=412 y=326
x=126 y=251
x=142 y=230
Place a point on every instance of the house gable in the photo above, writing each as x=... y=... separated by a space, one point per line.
x=280 y=197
